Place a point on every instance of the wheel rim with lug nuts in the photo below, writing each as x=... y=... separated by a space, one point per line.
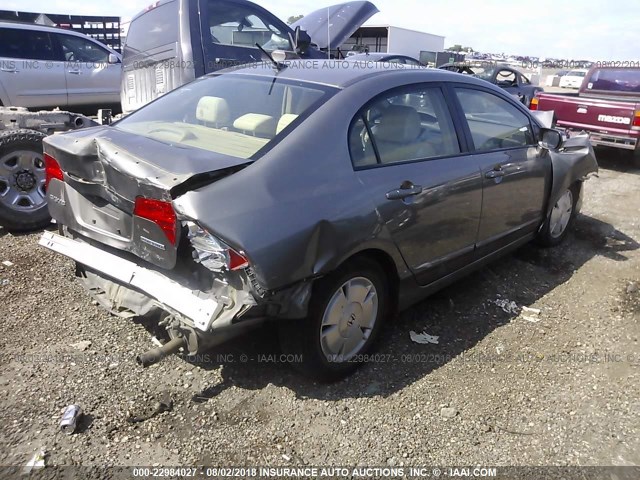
x=348 y=319
x=561 y=214
x=22 y=180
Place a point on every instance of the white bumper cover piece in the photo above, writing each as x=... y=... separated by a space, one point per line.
x=202 y=311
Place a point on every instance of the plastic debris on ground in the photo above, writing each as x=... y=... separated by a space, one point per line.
x=37 y=462
x=506 y=305
x=7 y=263
x=533 y=314
x=423 y=338
x=82 y=346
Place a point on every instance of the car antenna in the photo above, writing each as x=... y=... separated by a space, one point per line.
x=278 y=65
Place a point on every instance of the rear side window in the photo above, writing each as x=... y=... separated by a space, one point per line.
x=27 y=44
x=494 y=122
x=155 y=28
x=615 y=80
x=411 y=125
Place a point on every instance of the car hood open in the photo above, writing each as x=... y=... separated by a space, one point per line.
x=330 y=27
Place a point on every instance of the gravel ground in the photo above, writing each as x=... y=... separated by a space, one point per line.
x=561 y=387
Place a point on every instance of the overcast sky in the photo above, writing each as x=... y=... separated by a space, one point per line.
x=571 y=29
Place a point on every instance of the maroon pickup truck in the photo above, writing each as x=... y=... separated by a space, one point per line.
x=607 y=106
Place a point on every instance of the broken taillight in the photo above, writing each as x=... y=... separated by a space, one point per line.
x=51 y=170
x=159 y=212
x=212 y=252
x=534 y=103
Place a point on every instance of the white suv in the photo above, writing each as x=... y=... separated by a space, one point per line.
x=45 y=67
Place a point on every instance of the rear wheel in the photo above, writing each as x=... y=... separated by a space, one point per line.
x=23 y=204
x=560 y=219
x=346 y=311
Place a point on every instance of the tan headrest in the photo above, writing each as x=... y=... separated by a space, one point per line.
x=284 y=121
x=256 y=124
x=213 y=110
x=398 y=124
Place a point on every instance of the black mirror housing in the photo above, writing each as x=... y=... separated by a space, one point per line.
x=550 y=139
x=303 y=40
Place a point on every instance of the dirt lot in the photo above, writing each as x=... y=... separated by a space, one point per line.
x=561 y=387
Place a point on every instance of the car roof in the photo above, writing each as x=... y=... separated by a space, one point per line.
x=343 y=73
x=371 y=55
x=45 y=28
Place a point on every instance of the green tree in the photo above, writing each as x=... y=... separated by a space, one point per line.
x=294 y=18
x=459 y=48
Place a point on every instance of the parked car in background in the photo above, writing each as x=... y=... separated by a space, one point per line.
x=607 y=106
x=175 y=41
x=44 y=67
x=319 y=200
x=169 y=44
x=508 y=78
x=573 y=78
x=386 y=57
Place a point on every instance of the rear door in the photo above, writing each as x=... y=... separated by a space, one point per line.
x=32 y=69
x=230 y=30
x=406 y=152
x=516 y=173
x=91 y=79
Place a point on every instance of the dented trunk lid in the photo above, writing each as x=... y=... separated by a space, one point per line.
x=106 y=169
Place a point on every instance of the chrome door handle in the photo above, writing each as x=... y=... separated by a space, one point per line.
x=494 y=174
x=402 y=193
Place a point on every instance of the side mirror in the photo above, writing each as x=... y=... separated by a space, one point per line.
x=551 y=139
x=113 y=59
x=302 y=40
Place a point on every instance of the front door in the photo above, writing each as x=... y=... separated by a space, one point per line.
x=406 y=152
x=515 y=171
x=91 y=79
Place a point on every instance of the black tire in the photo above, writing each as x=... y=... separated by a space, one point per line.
x=636 y=158
x=15 y=219
x=548 y=238
x=302 y=337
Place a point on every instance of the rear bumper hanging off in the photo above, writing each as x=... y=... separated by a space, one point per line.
x=201 y=311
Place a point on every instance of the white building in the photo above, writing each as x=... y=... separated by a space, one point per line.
x=391 y=39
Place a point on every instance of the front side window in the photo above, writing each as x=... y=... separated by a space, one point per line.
x=405 y=126
x=27 y=44
x=76 y=49
x=494 y=122
x=236 y=115
x=242 y=26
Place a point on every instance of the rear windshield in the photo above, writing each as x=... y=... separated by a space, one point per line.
x=232 y=114
x=615 y=80
x=153 y=29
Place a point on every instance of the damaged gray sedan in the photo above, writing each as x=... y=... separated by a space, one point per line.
x=319 y=196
